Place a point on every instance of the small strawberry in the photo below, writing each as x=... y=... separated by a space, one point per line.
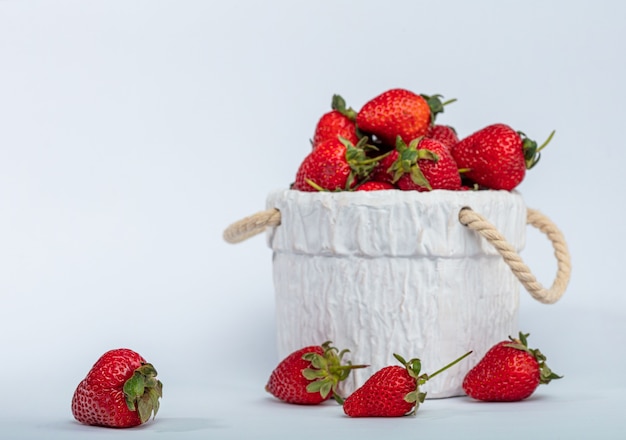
x=444 y=134
x=497 y=157
x=373 y=185
x=383 y=171
x=509 y=371
x=310 y=375
x=340 y=121
x=334 y=165
x=399 y=112
x=120 y=391
x=425 y=164
x=392 y=391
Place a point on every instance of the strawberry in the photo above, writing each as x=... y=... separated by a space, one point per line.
x=334 y=165
x=497 y=157
x=392 y=391
x=120 y=391
x=373 y=185
x=425 y=164
x=310 y=375
x=444 y=134
x=338 y=122
x=398 y=112
x=508 y=372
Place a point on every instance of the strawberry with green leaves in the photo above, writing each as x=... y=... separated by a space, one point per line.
x=392 y=391
x=399 y=112
x=424 y=165
x=334 y=165
x=120 y=391
x=310 y=375
x=509 y=372
x=497 y=156
x=339 y=122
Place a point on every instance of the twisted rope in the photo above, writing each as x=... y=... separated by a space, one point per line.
x=479 y=224
x=251 y=226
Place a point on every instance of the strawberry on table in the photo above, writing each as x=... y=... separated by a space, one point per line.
x=120 y=391
x=392 y=391
x=310 y=375
x=509 y=371
x=339 y=122
x=497 y=157
x=398 y=112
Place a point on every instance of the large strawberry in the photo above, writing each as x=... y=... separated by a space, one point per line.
x=398 y=112
x=509 y=371
x=392 y=391
x=339 y=122
x=120 y=391
x=425 y=164
x=310 y=375
x=334 y=165
x=497 y=157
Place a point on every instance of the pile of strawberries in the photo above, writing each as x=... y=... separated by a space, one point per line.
x=393 y=142
x=509 y=371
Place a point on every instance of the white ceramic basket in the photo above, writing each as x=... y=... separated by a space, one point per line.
x=394 y=271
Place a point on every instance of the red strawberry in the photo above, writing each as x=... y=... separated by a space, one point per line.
x=334 y=165
x=338 y=122
x=399 y=112
x=392 y=391
x=497 y=157
x=444 y=134
x=508 y=372
x=309 y=376
x=120 y=391
x=372 y=185
x=424 y=165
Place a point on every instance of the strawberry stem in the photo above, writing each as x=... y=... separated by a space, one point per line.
x=339 y=104
x=546 y=142
x=454 y=362
x=413 y=368
x=327 y=370
x=435 y=104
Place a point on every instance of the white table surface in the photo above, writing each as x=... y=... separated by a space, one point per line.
x=588 y=403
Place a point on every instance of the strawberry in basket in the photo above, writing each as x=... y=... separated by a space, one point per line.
x=399 y=112
x=497 y=157
x=339 y=122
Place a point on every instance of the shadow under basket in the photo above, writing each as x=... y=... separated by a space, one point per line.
x=431 y=275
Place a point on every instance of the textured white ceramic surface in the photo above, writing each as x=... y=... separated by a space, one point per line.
x=388 y=272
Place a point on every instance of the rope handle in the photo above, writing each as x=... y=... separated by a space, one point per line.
x=478 y=223
x=250 y=226
x=257 y=223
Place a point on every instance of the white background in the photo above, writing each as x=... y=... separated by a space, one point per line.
x=133 y=132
